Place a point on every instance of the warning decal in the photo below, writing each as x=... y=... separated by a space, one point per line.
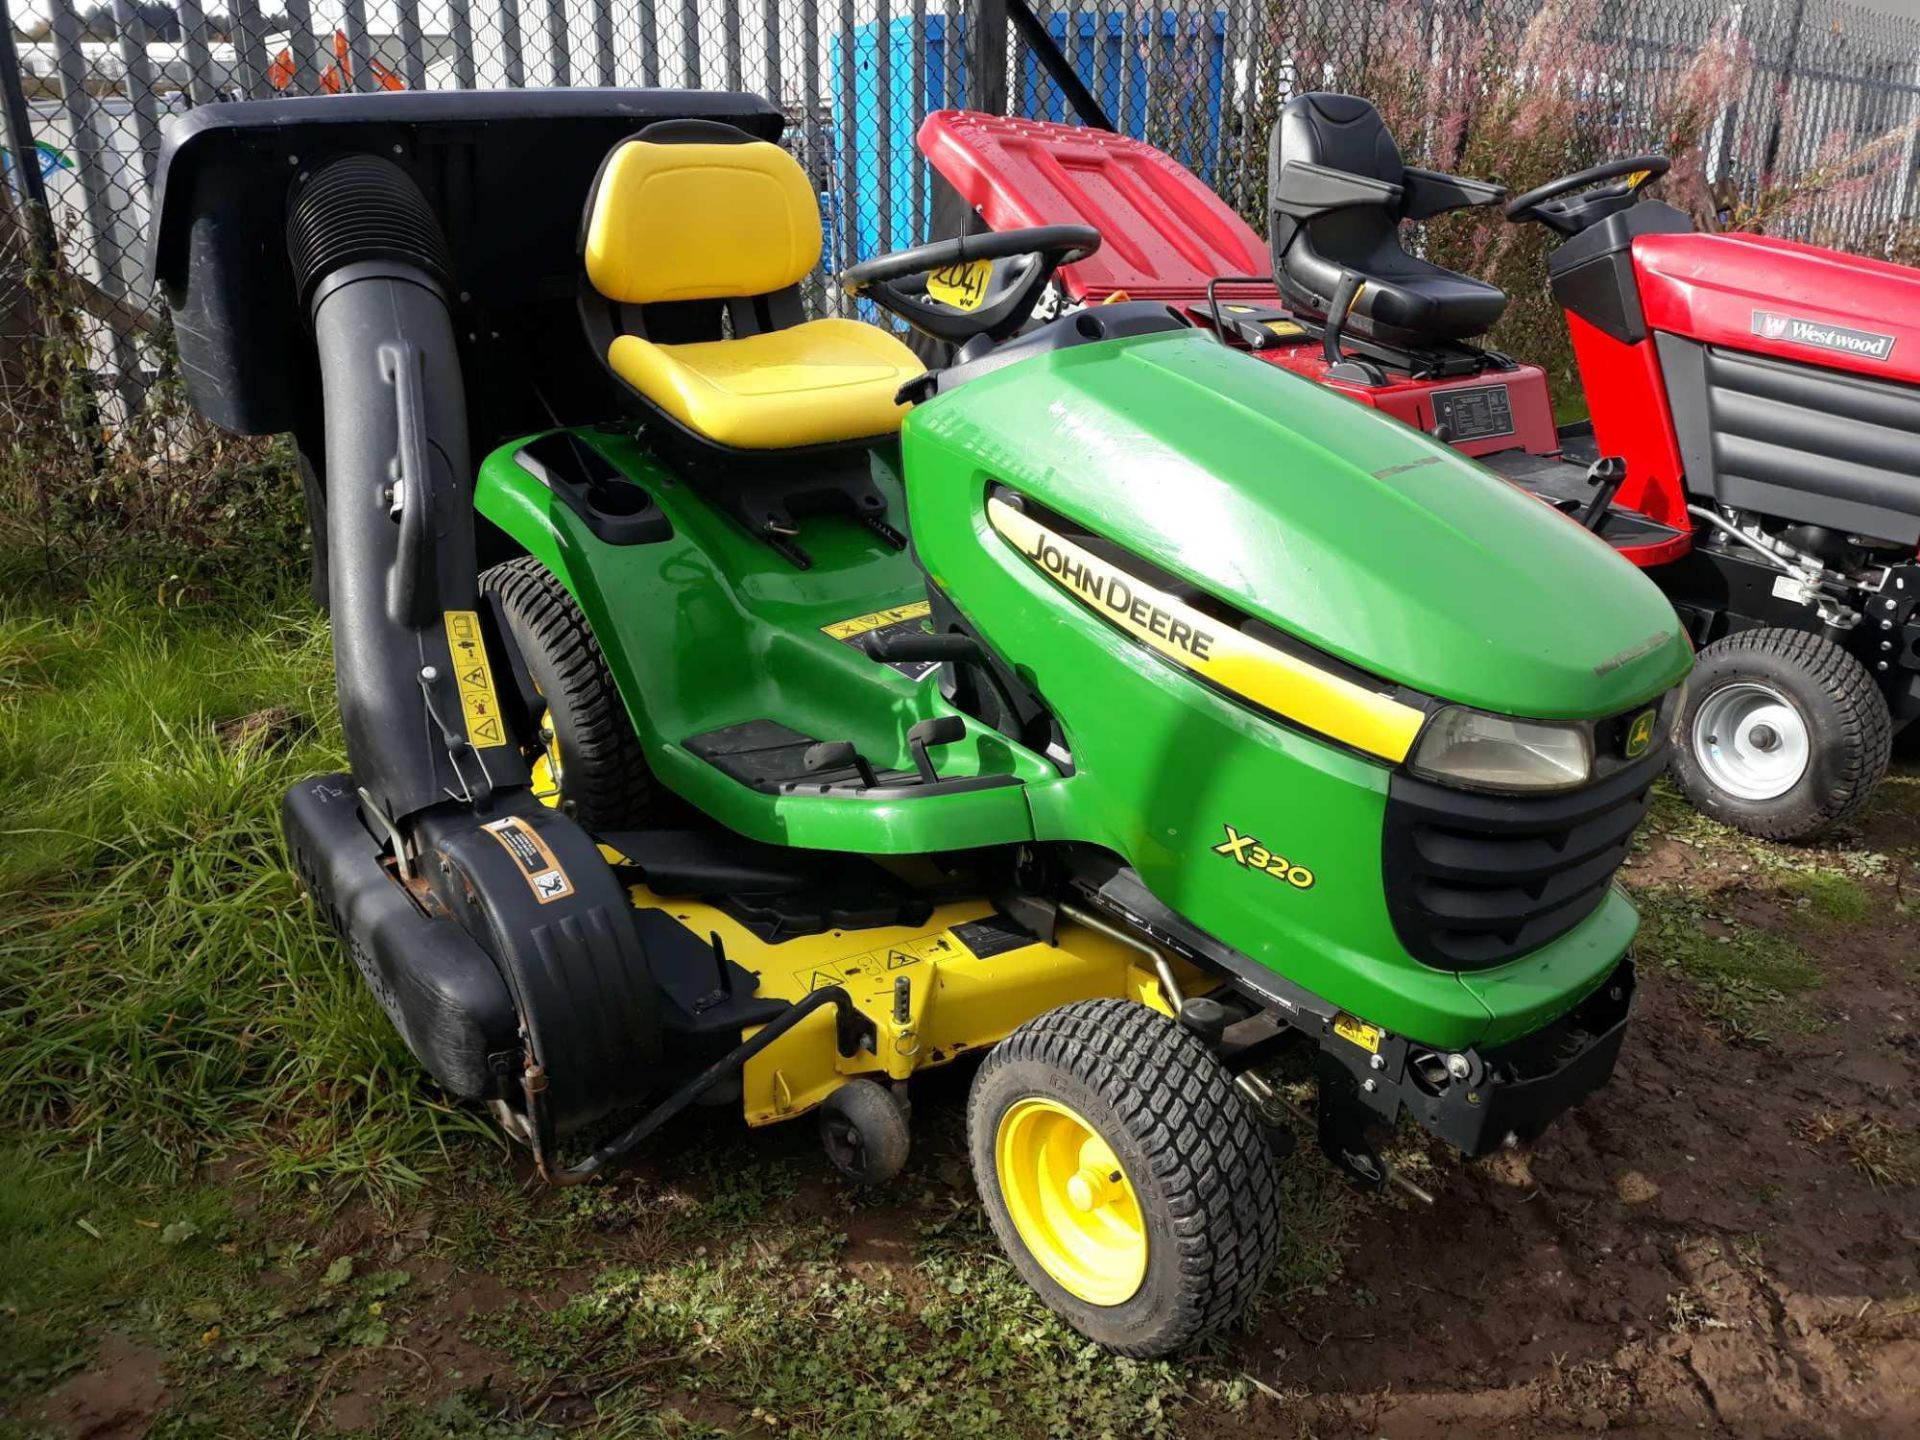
x=542 y=868
x=894 y=957
x=861 y=631
x=878 y=620
x=1359 y=1032
x=479 y=706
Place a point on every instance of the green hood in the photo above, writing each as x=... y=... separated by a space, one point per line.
x=1344 y=528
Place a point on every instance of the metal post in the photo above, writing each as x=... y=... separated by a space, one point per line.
x=883 y=124
x=776 y=81
x=250 y=64
x=413 y=54
x=987 y=57
x=603 y=66
x=353 y=24
x=916 y=111
x=96 y=206
x=510 y=58
x=649 y=44
x=847 y=124
x=557 y=47
x=193 y=49
x=810 y=112
x=730 y=24
x=133 y=58
x=690 y=43
x=20 y=143
x=304 y=49
x=460 y=26
x=1787 y=63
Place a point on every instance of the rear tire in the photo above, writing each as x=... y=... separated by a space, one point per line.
x=603 y=780
x=1102 y=1124
x=1782 y=734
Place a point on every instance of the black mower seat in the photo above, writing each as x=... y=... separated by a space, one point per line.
x=693 y=220
x=1338 y=194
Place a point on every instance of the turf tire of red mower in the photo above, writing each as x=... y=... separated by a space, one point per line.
x=1206 y=1181
x=1848 y=731
x=604 y=780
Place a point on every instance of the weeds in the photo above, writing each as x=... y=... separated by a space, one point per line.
x=165 y=993
x=1886 y=1155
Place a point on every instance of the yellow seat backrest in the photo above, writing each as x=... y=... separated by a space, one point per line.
x=700 y=222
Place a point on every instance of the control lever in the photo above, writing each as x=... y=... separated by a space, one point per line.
x=1606 y=475
x=923 y=645
x=943 y=730
x=837 y=755
x=1345 y=296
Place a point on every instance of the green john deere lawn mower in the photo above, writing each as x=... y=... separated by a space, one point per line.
x=765 y=719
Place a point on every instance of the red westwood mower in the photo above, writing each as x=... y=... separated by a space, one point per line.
x=1755 y=434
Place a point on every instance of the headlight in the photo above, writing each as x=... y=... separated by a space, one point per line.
x=1491 y=752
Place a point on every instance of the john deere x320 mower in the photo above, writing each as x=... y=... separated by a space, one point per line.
x=764 y=719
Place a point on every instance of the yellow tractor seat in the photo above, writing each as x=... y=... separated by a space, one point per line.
x=696 y=246
x=813 y=384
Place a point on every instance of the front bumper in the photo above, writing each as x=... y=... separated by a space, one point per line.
x=1474 y=1100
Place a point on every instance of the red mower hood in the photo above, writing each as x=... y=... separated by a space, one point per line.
x=1781 y=298
x=1163 y=233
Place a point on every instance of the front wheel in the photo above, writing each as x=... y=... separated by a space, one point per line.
x=1782 y=734
x=1123 y=1175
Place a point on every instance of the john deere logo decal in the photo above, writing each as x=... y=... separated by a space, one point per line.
x=1640 y=734
x=1868 y=344
x=1277 y=681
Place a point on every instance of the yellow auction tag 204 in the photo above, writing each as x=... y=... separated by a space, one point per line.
x=963 y=286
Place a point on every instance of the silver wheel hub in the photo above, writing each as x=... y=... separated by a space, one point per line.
x=1749 y=741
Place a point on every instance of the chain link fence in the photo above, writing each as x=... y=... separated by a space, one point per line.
x=1798 y=116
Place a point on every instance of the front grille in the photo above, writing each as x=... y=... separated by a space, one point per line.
x=1476 y=880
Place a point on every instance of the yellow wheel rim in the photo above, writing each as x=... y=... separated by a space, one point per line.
x=546 y=765
x=1071 y=1201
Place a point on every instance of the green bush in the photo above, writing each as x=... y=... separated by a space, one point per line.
x=87 y=489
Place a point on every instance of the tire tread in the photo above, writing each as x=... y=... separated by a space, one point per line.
x=1865 y=742
x=606 y=781
x=1209 y=1157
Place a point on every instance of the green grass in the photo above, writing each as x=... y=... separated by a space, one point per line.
x=1746 y=979
x=75 y=1255
x=165 y=993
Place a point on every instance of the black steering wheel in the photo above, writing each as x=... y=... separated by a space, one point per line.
x=972 y=285
x=1548 y=203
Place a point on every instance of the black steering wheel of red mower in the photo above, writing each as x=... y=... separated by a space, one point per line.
x=1539 y=203
x=972 y=285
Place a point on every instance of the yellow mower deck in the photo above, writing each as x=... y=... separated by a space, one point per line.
x=955 y=985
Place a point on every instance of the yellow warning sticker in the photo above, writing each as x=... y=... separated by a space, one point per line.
x=545 y=875
x=878 y=620
x=478 y=704
x=963 y=286
x=1366 y=1036
x=899 y=957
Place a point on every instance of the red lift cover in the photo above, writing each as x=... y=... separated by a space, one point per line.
x=1163 y=233
x=1778 y=297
